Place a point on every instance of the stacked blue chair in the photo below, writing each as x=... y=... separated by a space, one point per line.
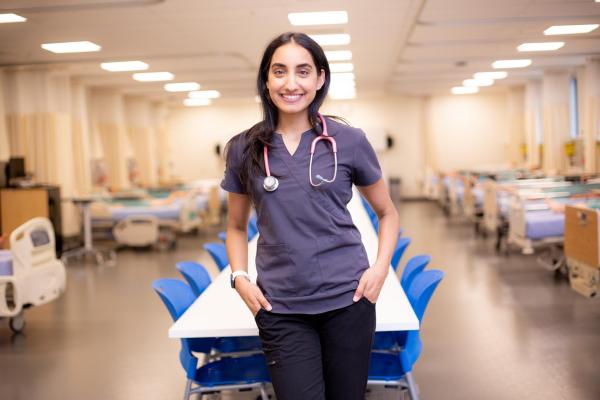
x=228 y=373
x=401 y=246
x=195 y=274
x=373 y=216
x=199 y=279
x=393 y=342
x=219 y=254
x=387 y=369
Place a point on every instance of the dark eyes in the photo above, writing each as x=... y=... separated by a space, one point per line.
x=281 y=72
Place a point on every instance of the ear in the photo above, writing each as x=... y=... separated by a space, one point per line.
x=321 y=79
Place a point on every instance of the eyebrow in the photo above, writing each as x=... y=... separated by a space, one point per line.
x=279 y=65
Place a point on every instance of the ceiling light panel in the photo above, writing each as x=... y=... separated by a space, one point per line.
x=318 y=18
x=491 y=75
x=196 y=102
x=338 y=55
x=464 y=90
x=10 y=18
x=120 y=66
x=478 y=82
x=204 y=94
x=501 y=64
x=570 y=29
x=153 y=76
x=182 y=86
x=71 y=47
x=334 y=39
x=341 y=67
x=547 y=46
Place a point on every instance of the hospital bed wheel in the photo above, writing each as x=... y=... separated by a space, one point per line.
x=17 y=323
x=99 y=258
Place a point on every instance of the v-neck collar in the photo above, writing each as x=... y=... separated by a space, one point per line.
x=278 y=140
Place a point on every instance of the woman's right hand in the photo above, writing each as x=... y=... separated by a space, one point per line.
x=252 y=295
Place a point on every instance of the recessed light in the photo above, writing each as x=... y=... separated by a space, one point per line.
x=119 y=66
x=491 y=75
x=343 y=76
x=153 y=76
x=464 y=90
x=342 y=93
x=196 y=102
x=182 y=86
x=478 y=82
x=318 y=18
x=547 y=46
x=338 y=55
x=341 y=67
x=204 y=94
x=71 y=47
x=511 y=63
x=9 y=18
x=334 y=39
x=570 y=29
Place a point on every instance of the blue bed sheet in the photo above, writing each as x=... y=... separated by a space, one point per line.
x=6 y=268
x=544 y=224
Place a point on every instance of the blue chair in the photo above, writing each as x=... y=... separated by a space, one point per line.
x=401 y=246
x=219 y=254
x=394 y=341
x=387 y=369
x=195 y=275
x=241 y=373
x=177 y=296
x=222 y=235
x=252 y=230
x=413 y=267
x=198 y=279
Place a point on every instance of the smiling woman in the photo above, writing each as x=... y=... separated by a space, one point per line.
x=314 y=280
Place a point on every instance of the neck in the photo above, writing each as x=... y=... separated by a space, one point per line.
x=293 y=124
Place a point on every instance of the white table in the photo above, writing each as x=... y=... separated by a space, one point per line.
x=220 y=312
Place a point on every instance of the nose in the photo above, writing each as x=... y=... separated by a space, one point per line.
x=290 y=82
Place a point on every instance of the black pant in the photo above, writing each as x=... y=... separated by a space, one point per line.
x=322 y=356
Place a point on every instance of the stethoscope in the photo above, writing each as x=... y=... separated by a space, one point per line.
x=271 y=183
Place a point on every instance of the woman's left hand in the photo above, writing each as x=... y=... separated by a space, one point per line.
x=370 y=284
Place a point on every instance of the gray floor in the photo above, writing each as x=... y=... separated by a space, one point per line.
x=497 y=328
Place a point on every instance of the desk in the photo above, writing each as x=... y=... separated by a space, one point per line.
x=220 y=312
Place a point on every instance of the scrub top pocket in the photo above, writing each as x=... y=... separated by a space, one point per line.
x=280 y=273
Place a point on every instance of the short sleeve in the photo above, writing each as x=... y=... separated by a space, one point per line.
x=366 y=166
x=231 y=180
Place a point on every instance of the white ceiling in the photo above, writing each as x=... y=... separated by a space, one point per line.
x=399 y=46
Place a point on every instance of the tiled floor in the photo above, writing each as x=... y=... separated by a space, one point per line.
x=497 y=328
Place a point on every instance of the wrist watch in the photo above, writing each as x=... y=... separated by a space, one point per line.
x=235 y=274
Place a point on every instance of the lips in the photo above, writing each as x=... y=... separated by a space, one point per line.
x=291 y=98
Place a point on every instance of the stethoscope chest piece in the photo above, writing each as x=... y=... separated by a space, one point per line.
x=270 y=184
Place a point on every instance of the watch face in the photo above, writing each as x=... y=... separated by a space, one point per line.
x=232 y=281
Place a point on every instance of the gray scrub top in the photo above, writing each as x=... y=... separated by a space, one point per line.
x=310 y=256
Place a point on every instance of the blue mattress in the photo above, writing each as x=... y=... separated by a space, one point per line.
x=544 y=224
x=6 y=268
x=170 y=211
x=201 y=202
x=478 y=194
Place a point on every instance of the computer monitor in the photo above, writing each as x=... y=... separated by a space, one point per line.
x=15 y=168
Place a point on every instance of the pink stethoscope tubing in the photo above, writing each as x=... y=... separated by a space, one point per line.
x=271 y=182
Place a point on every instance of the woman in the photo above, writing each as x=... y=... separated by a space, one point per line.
x=314 y=301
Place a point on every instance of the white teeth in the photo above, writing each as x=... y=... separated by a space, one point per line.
x=291 y=97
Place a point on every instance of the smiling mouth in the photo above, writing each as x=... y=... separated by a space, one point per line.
x=291 y=98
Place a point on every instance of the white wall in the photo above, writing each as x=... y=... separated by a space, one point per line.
x=196 y=131
x=468 y=131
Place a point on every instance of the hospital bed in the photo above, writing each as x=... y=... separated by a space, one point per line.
x=531 y=220
x=145 y=222
x=30 y=273
x=582 y=247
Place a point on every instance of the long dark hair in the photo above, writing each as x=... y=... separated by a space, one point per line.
x=260 y=134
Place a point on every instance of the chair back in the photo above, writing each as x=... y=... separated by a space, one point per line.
x=419 y=294
x=413 y=267
x=401 y=246
x=177 y=296
x=218 y=252
x=195 y=274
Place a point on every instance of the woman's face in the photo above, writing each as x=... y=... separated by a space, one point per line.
x=293 y=79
